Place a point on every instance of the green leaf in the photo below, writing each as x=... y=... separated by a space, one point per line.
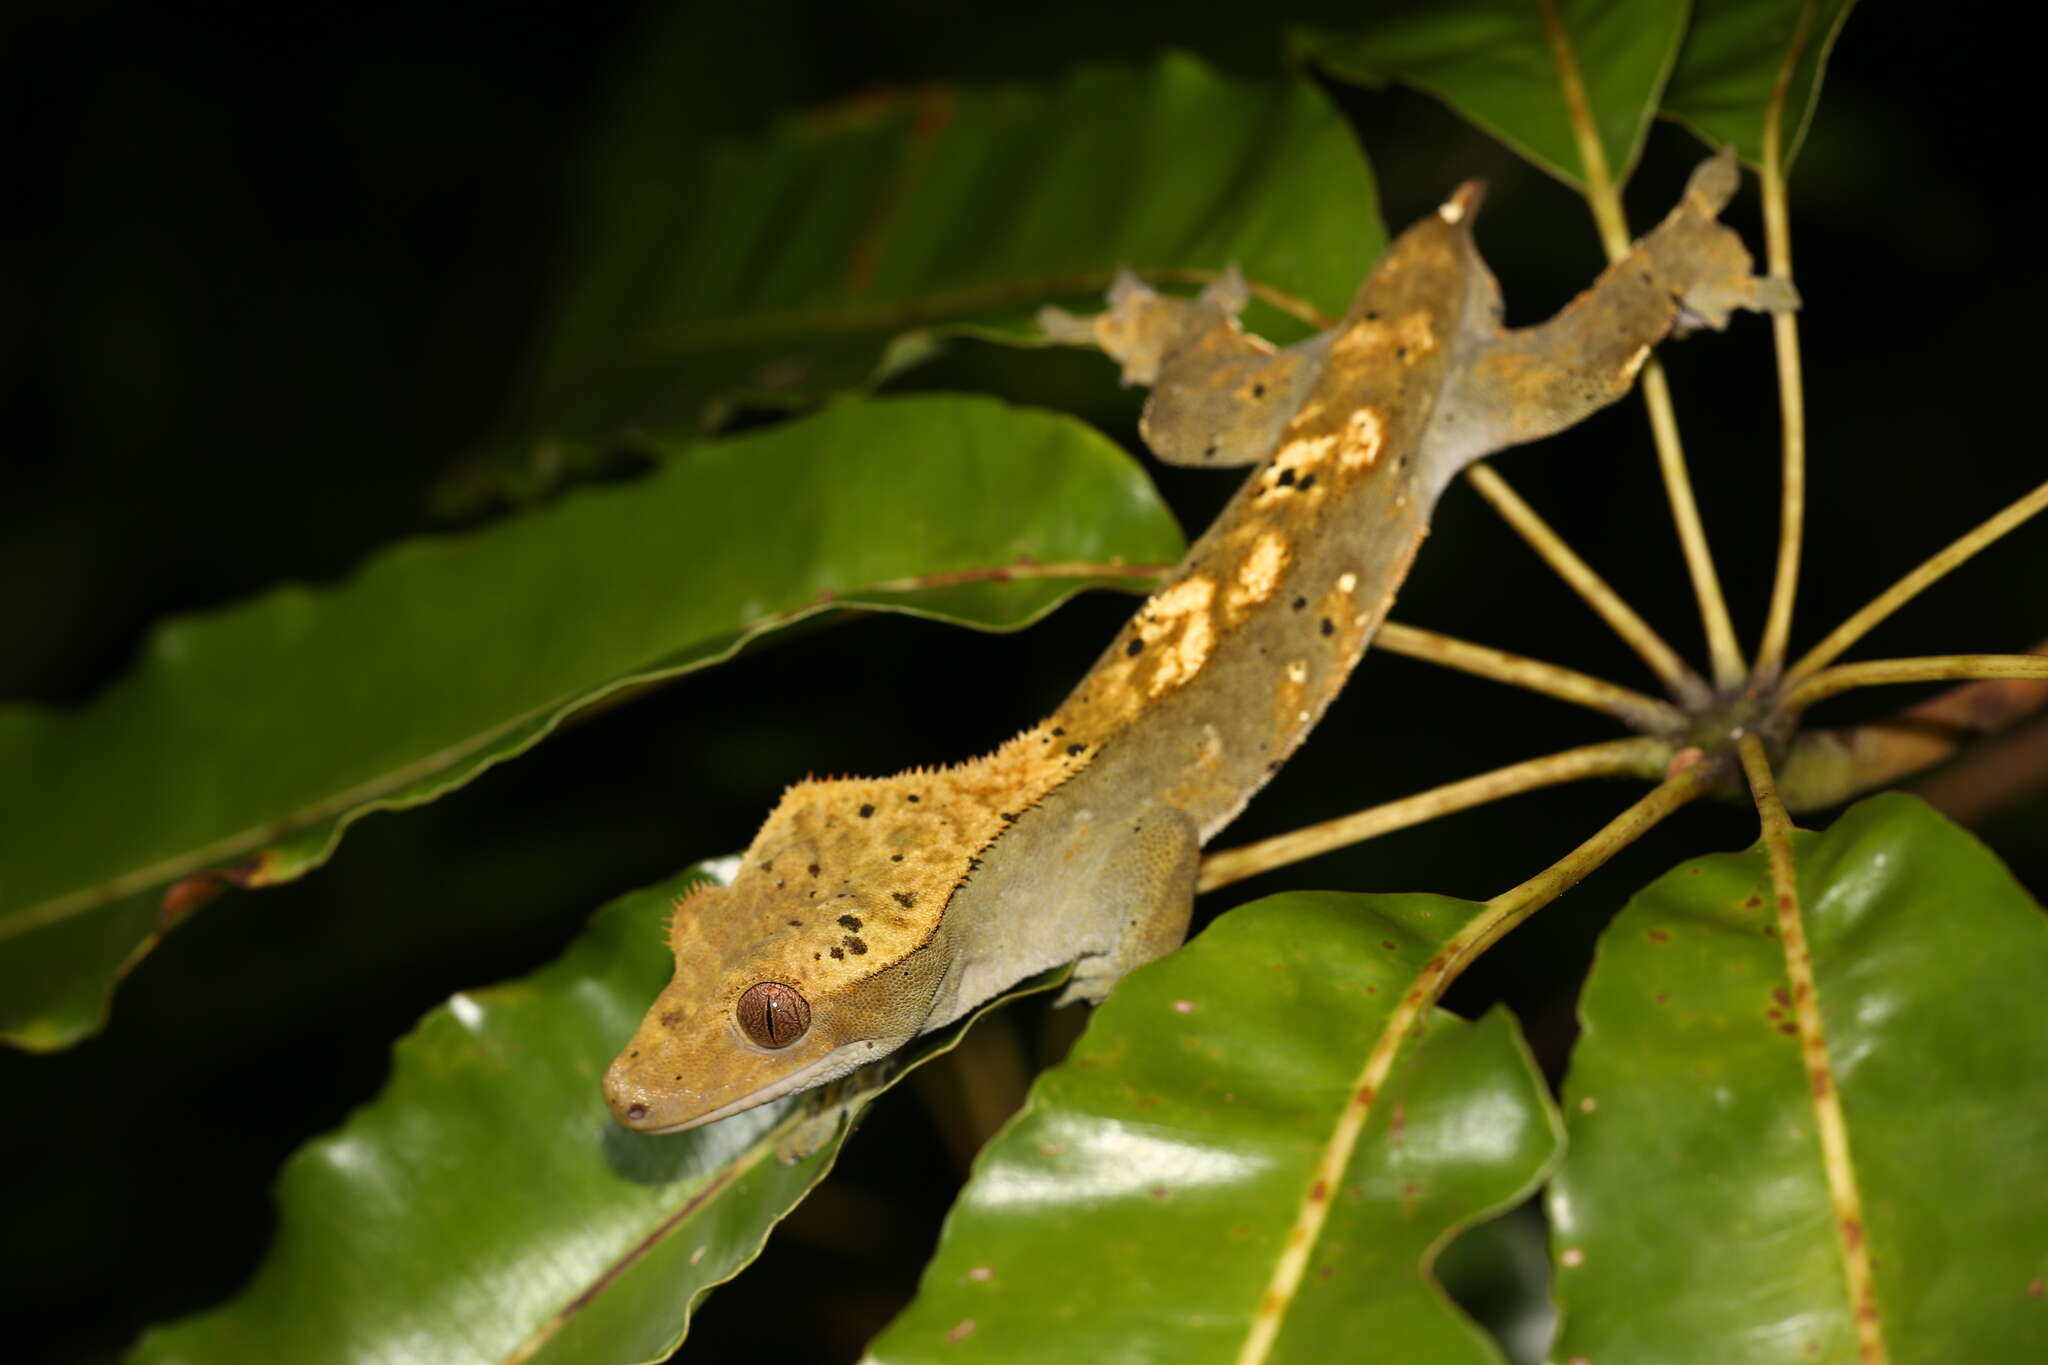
x=1139 y=1206
x=846 y=244
x=1496 y=64
x=485 y=1207
x=1693 y=1216
x=1731 y=61
x=255 y=735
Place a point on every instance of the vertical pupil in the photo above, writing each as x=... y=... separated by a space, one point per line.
x=773 y=1015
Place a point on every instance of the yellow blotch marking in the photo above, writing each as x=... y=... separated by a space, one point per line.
x=1417 y=334
x=1364 y=435
x=1297 y=672
x=1258 y=576
x=1347 y=583
x=1361 y=338
x=1178 y=634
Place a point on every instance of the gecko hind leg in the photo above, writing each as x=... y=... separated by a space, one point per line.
x=1152 y=896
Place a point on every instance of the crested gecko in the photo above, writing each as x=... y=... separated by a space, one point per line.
x=869 y=912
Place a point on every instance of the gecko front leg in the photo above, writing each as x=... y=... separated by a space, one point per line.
x=1146 y=895
x=1221 y=396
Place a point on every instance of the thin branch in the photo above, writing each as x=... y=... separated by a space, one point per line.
x=1824 y=767
x=1677 y=676
x=1634 y=709
x=1990 y=777
x=1909 y=587
x=1832 y=1126
x=1512 y=906
x=1638 y=757
x=1791 y=388
x=1614 y=239
x=1931 y=668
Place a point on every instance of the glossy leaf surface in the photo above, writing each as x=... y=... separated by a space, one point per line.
x=848 y=242
x=1734 y=53
x=255 y=735
x=1497 y=63
x=485 y=1207
x=1138 y=1207
x=1692 y=1215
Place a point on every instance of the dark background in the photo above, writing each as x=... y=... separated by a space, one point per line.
x=265 y=282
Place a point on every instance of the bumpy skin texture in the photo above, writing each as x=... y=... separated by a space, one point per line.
x=895 y=905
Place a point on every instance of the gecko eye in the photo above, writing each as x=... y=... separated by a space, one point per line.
x=773 y=1015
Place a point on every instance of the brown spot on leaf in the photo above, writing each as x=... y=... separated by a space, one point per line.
x=960 y=1330
x=1659 y=936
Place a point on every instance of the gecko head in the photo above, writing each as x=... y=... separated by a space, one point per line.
x=755 y=1010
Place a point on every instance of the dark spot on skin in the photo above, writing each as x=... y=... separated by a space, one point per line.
x=1274 y=766
x=1400 y=462
x=1646 y=277
x=768 y=866
x=1135 y=648
x=671 y=1019
x=1372 y=317
x=1210 y=452
x=855 y=946
x=636 y=1052
x=850 y=922
x=1300 y=602
x=1329 y=626
x=796 y=924
x=816 y=956
x=838 y=955
x=895 y=857
x=1258 y=390
x=902 y=898
x=636 y=1112
x=1009 y=817
x=1308 y=481
x=913 y=798
x=866 y=810
x=812 y=869
x=1400 y=352
x=1286 y=479
x=1074 y=750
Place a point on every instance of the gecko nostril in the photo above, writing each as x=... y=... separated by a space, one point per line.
x=636 y=1112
